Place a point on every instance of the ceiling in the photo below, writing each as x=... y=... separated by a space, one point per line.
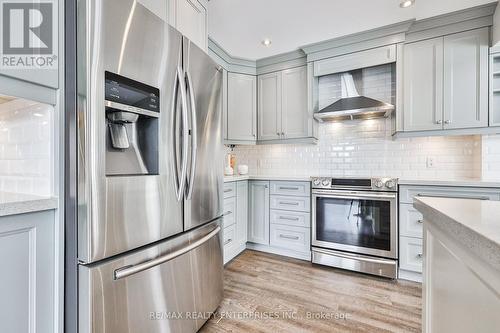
x=239 y=26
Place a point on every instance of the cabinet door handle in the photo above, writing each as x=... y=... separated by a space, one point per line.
x=289 y=203
x=228 y=213
x=419 y=256
x=289 y=218
x=228 y=190
x=455 y=196
x=447 y=121
x=420 y=221
x=228 y=241
x=288 y=188
x=282 y=133
x=289 y=237
x=439 y=122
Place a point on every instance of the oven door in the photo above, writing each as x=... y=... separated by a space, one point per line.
x=355 y=221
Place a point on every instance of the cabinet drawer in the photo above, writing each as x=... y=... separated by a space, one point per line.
x=406 y=194
x=229 y=236
x=229 y=211
x=298 y=219
x=410 y=254
x=300 y=204
x=291 y=238
x=301 y=189
x=229 y=190
x=410 y=221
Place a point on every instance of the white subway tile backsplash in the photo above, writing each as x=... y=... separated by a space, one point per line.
x=491 y=157
x=26 y=147
x=344 y=149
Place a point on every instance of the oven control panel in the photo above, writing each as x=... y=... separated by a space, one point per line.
x=373 y=184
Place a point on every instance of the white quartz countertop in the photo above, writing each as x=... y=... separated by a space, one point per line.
x=412 y=182
x=228 y=179
x=18 y=203
x=473 y=223
x=451 y=182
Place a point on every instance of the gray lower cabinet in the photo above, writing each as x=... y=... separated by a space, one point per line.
x=258 y=224
x=411 y=221
x=445 y=83
x=27 y=281
x=283 y=106
x=280 y=218
x=235 y=218
x=241 y=110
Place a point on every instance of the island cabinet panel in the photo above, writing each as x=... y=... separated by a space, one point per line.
x=28 y=280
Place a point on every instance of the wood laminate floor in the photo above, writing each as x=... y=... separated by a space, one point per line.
x=270 y=293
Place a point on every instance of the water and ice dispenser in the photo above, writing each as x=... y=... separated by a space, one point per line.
x=132 y=121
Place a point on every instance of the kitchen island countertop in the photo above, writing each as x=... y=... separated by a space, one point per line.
x=473 y=223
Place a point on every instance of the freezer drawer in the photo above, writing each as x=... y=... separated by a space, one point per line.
x=154 y=290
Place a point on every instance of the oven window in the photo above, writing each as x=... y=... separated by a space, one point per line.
x=362 y=223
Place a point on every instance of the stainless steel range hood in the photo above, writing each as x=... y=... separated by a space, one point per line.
x=353 y=106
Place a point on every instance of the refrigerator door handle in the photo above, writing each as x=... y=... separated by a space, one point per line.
x=126 y=271
x=185 y=134
x=194 y=136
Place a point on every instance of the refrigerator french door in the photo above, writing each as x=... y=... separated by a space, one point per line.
x=150 y=181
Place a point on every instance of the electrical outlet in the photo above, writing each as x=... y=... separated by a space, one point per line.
x=430 y=162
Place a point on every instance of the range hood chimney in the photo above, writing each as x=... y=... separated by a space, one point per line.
x=353 y=106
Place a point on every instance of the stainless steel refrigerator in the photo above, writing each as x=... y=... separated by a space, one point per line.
x=149 y=174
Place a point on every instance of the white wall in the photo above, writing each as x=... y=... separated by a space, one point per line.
x=366 y=148
x=496 y=27
x=26 y=147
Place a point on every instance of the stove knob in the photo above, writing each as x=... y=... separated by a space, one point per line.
x=378 y=184
x=316 y=182
x=390 y=184
x=325 y=182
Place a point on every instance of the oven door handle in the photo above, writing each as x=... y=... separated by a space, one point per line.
x=354 y=195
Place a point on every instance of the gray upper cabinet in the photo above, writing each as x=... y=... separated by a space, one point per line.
x=270 y=106
x=258 y=226
x=423 y=84
x=283 y=109
x=446 y=82
x=466 y=79
x=241 y=108
x=295 y=120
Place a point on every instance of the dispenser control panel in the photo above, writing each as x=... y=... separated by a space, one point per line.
x=126 y=91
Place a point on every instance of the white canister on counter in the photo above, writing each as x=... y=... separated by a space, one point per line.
x=243 y=169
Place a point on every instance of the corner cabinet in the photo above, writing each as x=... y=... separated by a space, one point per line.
x=258 y=224
x=446 y=82
x=283 y=112
x=241 y=109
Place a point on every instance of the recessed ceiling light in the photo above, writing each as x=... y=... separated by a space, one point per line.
x=266 y=42
x=406 y=3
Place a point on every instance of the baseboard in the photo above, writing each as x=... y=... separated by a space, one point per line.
x=410 y=276
x=232 y=253
x=279 y=251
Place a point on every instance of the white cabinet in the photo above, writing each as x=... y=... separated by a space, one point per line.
x=270 y=106
x=445 y=82
x=283 y=112
x=295 y=119
x=241 y=108
x=423 y=85
x=258 y=224
x=466 y=79
x=191 y=19
x=28 y=280
x=235 y=218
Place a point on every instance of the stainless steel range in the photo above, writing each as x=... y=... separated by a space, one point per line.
x=355 y=224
